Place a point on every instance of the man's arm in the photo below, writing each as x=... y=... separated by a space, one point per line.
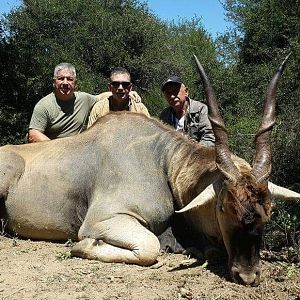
x=144 y=110
x=93 y=116
x=35 y=135
x=38 y=124
x=198 y=126
x=100 y=109
x=103 y=96
x=206 y=133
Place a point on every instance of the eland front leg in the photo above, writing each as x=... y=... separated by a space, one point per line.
x=120 y=239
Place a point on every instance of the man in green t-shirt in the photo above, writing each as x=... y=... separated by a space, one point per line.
x=63 y=112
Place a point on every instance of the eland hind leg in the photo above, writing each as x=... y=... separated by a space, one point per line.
x=11 y=168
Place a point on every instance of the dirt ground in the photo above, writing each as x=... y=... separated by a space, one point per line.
x=43 y=270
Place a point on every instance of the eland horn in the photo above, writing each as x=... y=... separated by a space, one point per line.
x=223 y=154
x=262 y=162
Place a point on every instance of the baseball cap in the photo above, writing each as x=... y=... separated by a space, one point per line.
x=171 y=79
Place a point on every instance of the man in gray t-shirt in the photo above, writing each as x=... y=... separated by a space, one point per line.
x=63 y=112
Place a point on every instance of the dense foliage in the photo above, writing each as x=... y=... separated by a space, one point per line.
x=97 y=35
x=269 y=30
x=266 y=31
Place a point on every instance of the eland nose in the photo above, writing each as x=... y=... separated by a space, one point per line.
x=250 y=278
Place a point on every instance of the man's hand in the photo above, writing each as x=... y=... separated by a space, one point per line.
x=135 y=96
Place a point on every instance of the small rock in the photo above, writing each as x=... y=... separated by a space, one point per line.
x=186 y=293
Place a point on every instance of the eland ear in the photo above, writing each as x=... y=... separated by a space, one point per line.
x=282 y=193
x=203 y=198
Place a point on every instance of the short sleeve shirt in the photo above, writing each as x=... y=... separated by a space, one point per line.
x=57 y=119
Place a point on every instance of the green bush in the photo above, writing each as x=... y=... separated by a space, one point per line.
x=282 y=233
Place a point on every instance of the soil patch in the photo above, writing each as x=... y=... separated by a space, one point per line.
x=44 y=270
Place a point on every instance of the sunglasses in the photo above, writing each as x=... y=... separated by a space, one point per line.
x=124 y=84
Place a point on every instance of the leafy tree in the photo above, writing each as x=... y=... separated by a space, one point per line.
x=266 y=30
x=94 y=35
